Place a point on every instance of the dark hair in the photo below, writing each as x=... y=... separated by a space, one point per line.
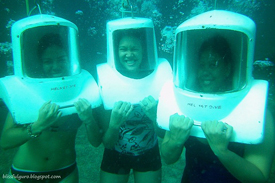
x=219 y=45
x=139 y=34
x=48 y=40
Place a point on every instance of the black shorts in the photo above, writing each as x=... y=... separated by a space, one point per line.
x=117 y=163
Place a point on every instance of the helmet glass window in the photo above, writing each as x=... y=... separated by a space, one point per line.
x=210 y=61
x=50 y=52
x=134 y=52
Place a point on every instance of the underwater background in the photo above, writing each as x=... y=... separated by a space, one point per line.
x=91 y=16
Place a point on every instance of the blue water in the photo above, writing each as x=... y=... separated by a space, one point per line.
x=91 y=16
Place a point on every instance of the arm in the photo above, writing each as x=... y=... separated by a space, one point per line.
x=85 y=113
x=173 y=142
x=15 y=135
x=111 y=122
x=149 y=106
x=256 y=163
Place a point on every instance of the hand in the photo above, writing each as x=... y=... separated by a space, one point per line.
x=218 y=135
x=48 y=115
x=84 y=110
x=180 y=127
x=149 y=107
x=120 y=113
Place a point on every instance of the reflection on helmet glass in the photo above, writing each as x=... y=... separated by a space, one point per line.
x=50 y=52
x=214 y=68
x=53 y=56
x=131 y=52
x=211 y=61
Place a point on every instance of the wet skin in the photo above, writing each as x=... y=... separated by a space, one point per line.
x=213 y=71
x=55 y=62
x=130 y=53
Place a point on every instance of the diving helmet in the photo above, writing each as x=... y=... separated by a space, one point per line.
x=46 y=67
x=132 y=71
x=212 y=76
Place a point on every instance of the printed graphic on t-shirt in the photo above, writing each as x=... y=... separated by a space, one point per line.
x=137 y=134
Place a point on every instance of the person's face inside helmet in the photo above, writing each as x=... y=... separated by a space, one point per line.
x=130 y=53
x=213 y=71
x=55 y=62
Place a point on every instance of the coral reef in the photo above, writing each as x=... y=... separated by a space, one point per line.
x=167 y=39
x=5 y=48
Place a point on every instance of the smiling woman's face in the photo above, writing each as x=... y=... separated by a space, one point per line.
x=213 y=71
x=55 y=62
x=130 y=53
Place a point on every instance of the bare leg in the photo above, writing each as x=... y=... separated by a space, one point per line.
x=11 y=181
x=106 y=177
x=72 y=178
x=150 y=176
